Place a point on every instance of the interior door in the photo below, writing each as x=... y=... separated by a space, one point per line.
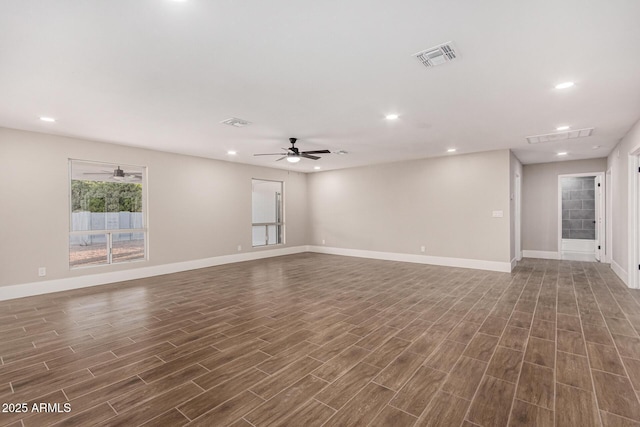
x=599 y=200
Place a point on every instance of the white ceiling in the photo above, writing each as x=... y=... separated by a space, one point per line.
x=162 y=74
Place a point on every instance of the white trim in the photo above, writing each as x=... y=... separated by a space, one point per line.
x=577 y=256
x=518 y=218
x=514 y=262
x=418 y=259
x=633 y=279
x=57 y=285
x=620 y=272
x=540 y=254
x=608 y=216
x=570 y=175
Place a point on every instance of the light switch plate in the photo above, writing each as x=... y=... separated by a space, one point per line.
x=498 y=214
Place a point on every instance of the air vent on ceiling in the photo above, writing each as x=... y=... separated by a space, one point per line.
x=559 y=136
x=234 y=121
x=437 y=55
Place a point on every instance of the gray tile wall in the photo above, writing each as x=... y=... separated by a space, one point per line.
x=578 y=208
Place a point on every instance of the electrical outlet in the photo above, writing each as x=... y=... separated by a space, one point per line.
x=42 y=271
x=323 y=241
x=239 y=248
x=422 y=249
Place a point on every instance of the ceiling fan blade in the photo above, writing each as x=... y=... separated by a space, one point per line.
x=307 y=156
x=281 y=158
x=269 y=154
x=317 y=152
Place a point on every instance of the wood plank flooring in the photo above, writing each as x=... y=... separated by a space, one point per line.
x=321 y=340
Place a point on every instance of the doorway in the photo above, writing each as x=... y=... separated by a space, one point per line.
x=581 y=221
x=608 y=215
x=518 y=201
x=634 y=219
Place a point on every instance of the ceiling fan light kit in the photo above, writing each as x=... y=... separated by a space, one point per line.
x=118 y=175
x=293 y=154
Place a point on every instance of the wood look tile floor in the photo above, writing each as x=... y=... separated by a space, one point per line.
x=321 y=340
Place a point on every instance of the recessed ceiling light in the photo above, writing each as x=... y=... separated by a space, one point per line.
x=293 y=159
x=48 y=119
x=563 y=128
x=564 y=85
x=317 y=168
x=341 y=152
x=595 y=147
x=451 y=150
x=391 y=116
x=562 y=153
x=231 y=153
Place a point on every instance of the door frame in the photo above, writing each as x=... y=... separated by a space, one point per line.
x=608 y=215
x=633 y=273
x=518 y=217
x=601 y=226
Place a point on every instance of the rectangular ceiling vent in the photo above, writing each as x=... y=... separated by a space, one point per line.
x=234 y=121
x=437 y=55
x=560 y=136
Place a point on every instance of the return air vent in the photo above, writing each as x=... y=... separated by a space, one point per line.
x=234 y=121
x=560 y=136
x=437 y=55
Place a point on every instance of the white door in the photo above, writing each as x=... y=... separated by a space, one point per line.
x=518 y=218
x=599 y=207
x=608 y=215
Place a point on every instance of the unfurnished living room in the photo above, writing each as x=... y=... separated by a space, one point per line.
x=295 y=213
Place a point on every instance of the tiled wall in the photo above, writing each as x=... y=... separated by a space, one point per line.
x=578 y=208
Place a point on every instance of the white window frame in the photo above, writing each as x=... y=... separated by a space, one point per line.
x=280 y=224
x=110 y=232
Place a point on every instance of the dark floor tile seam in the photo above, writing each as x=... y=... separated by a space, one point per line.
x=608 y=289
x=378 y=410
x=632 y=421
x=617 y=351
x=524 y=351
x=466 y=345
x=402 y=410
x=593 y=384
x=202 y=388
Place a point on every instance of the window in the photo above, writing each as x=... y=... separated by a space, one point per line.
x=267 y=213
x=107 y=223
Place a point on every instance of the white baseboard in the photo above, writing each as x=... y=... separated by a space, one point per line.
x=620 y=272
x=419 y=259
x=57 y=285
x=514 y=262
x=578 y=256
x=540 y=254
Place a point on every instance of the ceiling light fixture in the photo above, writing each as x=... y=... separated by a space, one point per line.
x=565 y=85
x=293 y=159
x=48 y=119
x=562 y=153
x=595 y=147
x=391 y=116
x=317 y=168
x=563 y=128
x=451 y=150
x=231 y=153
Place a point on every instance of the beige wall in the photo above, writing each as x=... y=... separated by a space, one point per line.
x=618 y=162
x=540 y=200
x=443 y=203
x=198 y=208
x=515 y=169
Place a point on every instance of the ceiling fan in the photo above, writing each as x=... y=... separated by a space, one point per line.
x=118 y=175
x=293 y=155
